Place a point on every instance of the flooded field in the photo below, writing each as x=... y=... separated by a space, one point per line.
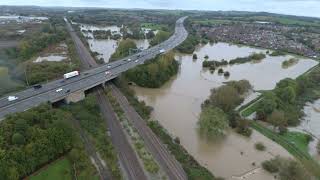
x=53 y=54
x=106 y=47
x=177 y=107
x=311 y=124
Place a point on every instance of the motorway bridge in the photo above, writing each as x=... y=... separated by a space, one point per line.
x=73 y=89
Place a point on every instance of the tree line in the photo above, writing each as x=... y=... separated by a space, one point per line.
x=217 y=112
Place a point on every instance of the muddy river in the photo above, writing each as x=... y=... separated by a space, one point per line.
x=177 y=107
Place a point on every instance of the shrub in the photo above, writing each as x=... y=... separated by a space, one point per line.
x=272 y=165
x=243 y=128
x=194 y=56
x=260 y=146
x=226 y=74
x=220 y=71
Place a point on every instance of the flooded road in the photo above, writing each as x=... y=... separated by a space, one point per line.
x=177 y=107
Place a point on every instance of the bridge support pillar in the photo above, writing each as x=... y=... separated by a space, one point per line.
x=75 y=97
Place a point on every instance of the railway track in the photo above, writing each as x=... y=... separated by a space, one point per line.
x=170 y=165
x=126 y=154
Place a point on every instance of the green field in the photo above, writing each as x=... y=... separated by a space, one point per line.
x=153 y=26
x=59 y=170
x=298 y=139
x=212 y=21
x=294 y=143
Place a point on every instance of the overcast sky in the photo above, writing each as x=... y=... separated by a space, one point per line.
x=293 y=7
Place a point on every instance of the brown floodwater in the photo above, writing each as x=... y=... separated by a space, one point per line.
x=177 y=107
x=106 y=47
x=311 y=124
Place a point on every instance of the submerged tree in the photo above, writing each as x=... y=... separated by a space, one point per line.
x=213 y=122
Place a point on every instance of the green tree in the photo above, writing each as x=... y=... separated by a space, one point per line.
x=244 y=128
x=277 y=119
x=287 y=94
x=123 y=49
x=225 y=97
x=293 y=170
x=267 y=105
x=213 y=122
x=18 y=139
x=159 y=38
x=21 y=126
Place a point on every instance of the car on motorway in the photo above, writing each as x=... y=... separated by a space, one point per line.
x=37 y=86
x=129 y=60
x=68 y=91
x=12 y=98
x=136 y=61
x=59 y=90
x=162 y=51
x=108 y=73
x=108 y=66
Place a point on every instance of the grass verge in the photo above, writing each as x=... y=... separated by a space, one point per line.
x=60 y=169
x=296 y=147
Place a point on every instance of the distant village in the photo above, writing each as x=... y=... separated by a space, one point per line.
x=298 y=40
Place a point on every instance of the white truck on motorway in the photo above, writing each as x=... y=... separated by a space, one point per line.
x=162 y=51
x=71 y=74
x=12 y=98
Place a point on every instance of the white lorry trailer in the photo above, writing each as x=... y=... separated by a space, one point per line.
x=71 y=74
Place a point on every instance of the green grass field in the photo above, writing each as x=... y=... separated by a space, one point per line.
x=298 y=139
x=294 y=143
x=60 y=170
x=153 y=26
x=250 y=109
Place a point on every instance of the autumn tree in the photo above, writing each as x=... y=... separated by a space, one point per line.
x=213 y=122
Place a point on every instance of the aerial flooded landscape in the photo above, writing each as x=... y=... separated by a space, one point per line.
x=159 y=90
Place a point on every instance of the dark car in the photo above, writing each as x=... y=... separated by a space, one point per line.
x=37 y=86
x=68 y=91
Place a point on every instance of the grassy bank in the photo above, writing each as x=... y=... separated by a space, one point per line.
x=60 y=169
x=294 y=143
x=87 y=112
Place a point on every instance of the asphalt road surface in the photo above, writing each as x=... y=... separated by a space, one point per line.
x=87 y=79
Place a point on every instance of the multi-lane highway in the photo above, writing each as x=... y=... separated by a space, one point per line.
x=87 y=79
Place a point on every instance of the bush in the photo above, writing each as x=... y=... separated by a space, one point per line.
x=318 y=147
x=260 y=146
x=194 y=56
x=243 y=128
x=226 y=74
x=272 y=165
